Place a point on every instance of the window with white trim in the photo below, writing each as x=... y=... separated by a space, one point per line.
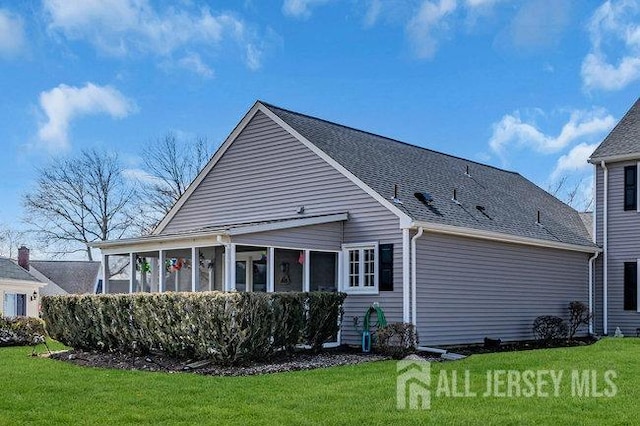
x=361 y=268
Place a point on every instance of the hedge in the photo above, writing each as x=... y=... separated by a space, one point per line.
x=20 y=331
x=229 y=328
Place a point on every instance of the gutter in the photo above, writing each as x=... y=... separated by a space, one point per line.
x=591 y=286
x=498 y=236
x=605 y=232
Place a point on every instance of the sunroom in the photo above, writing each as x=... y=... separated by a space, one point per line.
x=294 y=254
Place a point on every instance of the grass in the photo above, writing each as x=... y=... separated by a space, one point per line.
x=44 y=391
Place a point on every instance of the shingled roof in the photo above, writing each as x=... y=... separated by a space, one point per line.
x=624 y=139
x=9 y=270
x=489 y=198
x=74 y=277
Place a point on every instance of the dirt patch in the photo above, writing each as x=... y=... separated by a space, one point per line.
x=296 y=361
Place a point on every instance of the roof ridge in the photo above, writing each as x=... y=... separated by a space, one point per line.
x=269 y=105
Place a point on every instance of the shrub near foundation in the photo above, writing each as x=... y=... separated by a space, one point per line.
x=20 y=331
x=229 y=328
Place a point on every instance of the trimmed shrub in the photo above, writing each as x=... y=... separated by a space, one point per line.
x=324 y=316
x=397 y=340
x=229 y=328
x=549 y=328
x=578 y=315
x=21 y=331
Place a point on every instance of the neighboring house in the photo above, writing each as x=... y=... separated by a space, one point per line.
x=617 y=217
x=19 y=290
x=292 y=202
x=63 y=276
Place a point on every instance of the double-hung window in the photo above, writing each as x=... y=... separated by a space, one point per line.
x=361 y=268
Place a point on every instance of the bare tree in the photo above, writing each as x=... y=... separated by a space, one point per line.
x=571 y=194
x=171 y=164
x=80 y=200
x=10 y=239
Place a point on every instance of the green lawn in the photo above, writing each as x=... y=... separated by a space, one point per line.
x=43 y=391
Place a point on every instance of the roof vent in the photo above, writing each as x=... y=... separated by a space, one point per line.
x=538 y=219
x=424 y=197
x=455 y=197
x=466 y=173
x=482 y=209
x=395 y=198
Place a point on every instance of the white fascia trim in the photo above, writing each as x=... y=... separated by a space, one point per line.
x=614 y=158
x=16 y=284
x=404 y=218
x=286 y=224
x=206 y=169
x=172 y=242
x=497 y=236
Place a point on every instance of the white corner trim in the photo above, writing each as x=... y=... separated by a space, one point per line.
x=206 y=169
x=406 y=282
x=498 y=236
x=404 y=218
x=637 y=186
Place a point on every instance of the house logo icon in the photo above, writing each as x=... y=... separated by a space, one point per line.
x=412 y=385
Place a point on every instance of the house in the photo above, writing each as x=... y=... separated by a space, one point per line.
x=617 y=226
x=62 y=276
x=292 y=202
x=19 y=290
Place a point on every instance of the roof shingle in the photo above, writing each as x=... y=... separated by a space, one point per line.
x=624 y=139
x=511 y=202
x=9 y=270
x=74 y=277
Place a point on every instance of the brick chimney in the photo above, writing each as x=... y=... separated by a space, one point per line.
x=23 y=257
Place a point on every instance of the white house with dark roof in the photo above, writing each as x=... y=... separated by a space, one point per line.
x=19 y=290
x=617 y=226
x=62 y=276
x=291 y=202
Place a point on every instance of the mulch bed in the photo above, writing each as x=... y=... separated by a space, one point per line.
x=296 y=361
x=519 y=346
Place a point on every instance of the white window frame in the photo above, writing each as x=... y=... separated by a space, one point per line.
x=360 y=289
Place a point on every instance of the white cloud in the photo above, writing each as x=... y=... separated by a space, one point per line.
x=428 y=24
x=300 y=8
x=512 y=130
x=123 y=27
x=575 y=160
x=64 y=103
x=12 y=35
x=613 y=23
x=193 y=63
x=139 y=175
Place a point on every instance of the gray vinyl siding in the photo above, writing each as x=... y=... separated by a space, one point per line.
x=267 y=174
x=326 y=236
x=469 y=289
x=623 y=246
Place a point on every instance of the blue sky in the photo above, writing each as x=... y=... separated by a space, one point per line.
x=530 y=85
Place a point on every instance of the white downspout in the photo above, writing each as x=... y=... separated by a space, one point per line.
x=591 y=285
x=406 y=282
x=605 y=266
x=414 y=277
